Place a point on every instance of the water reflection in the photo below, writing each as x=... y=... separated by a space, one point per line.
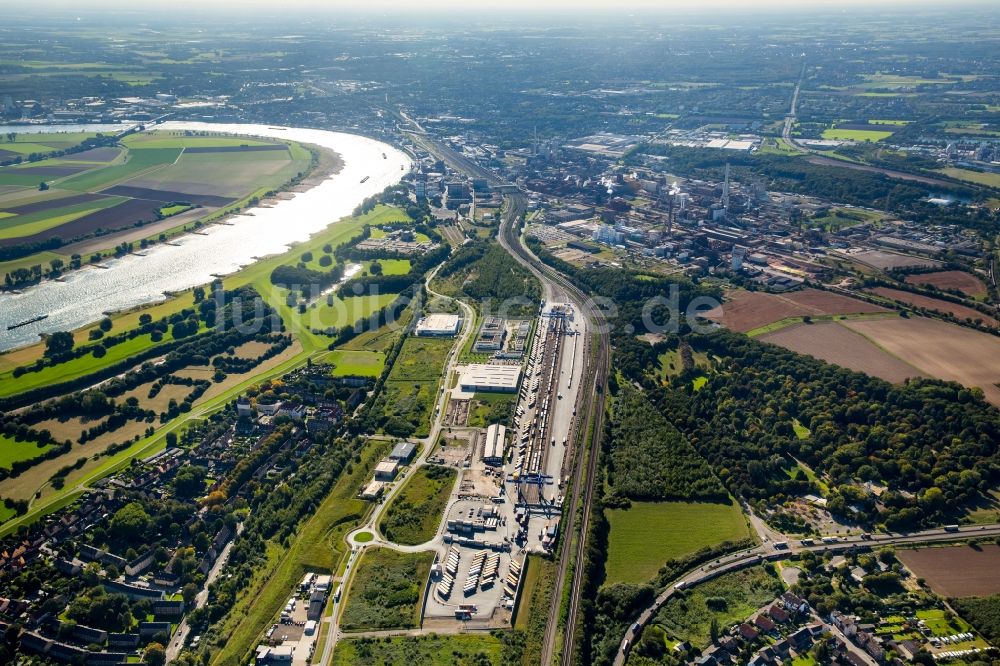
x=83 y=296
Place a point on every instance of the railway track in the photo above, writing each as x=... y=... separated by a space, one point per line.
x=592 y=415
x=584 y=477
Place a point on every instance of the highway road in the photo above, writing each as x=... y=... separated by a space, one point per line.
x=746 y=558
x=818 y=156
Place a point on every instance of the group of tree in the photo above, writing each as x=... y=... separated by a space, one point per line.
x=649 y=459
x=932 y=444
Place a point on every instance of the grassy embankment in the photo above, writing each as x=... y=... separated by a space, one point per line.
x=433 y=650
x=256 y=275
x=319 y=546
x=730 y=598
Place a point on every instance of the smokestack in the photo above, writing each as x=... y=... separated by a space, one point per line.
x=725 y=190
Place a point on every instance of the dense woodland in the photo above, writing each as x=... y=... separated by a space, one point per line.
x=494 y=279
x=633 y=303
x=649 y=459
x=983 y=613
x=932 y=443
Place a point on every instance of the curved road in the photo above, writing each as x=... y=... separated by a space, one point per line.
x=818 y=157
x=559 y=288
x=746 y=558
x=556 y=287
x=427 y=443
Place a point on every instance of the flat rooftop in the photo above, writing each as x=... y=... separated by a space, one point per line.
x=440 y=324
x=479 y=376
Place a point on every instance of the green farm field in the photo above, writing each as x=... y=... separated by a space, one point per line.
x=182 y=140
x=222 y=174
x=646 y=535
x=137 y=162
x=32 y=223
x=855 y=135
x=148 y=160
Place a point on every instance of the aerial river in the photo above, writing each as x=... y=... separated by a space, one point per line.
x=84 y=295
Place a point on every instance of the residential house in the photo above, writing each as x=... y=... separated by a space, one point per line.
x=747 y=632
x=764 y=623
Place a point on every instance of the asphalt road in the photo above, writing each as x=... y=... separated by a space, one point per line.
x=818 y=157
x=558 y=288
x=371 y=524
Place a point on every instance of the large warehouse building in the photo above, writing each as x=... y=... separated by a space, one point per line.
x=439 y=325
x=495 y=378
x=493 y=450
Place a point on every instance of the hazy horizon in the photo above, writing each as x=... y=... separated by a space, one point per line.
x=594 y=6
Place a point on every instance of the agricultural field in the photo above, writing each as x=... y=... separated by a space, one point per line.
x=832 y=342
x=939 y=349
x=386 y=590
x=967 y=283
x=647 y=534
x=934 y=304
x=730 y=598
x=956 y=571
x=143 y=181
x=970 y=176
x=416 y=511
x=860 y=135
x=42 y=143
x=883 y=260
x=745 y=311
x=433 y=650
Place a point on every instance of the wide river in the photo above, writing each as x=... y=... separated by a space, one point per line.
x=84 y=295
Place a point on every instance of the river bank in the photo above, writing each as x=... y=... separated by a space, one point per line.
x=365 y=167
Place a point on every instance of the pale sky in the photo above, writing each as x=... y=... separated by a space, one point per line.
x=469 y=5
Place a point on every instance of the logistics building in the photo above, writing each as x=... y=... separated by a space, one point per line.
x=439 y=325
x=496 y=439
x=493 y=378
